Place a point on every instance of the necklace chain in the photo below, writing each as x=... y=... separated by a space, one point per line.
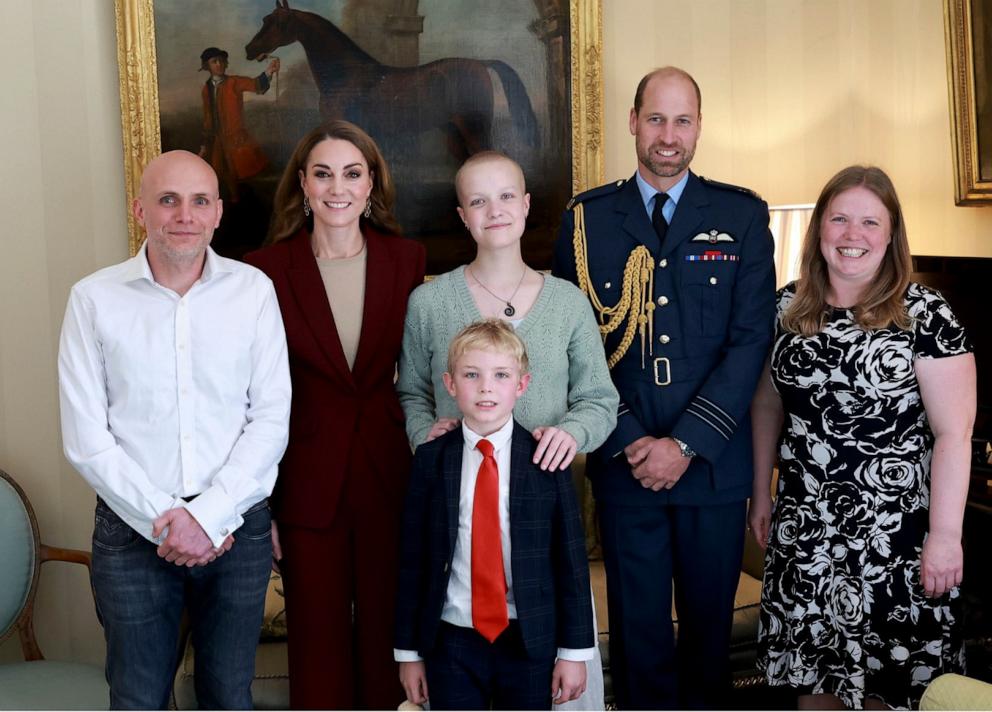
x=510 y=309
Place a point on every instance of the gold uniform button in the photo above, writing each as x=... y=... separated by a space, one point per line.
x=664 y=338
x=663 y=263
x=713 y=280
x=662 y=301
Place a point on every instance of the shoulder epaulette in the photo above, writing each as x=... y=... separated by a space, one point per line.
x=595 y=193
x=728 y=186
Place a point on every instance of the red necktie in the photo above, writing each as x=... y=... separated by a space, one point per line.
x=489 y=614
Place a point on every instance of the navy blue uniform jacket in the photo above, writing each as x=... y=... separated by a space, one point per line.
x=713 y=321
x=548 y=557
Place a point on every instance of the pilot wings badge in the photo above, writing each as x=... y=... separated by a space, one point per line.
x=713 y=237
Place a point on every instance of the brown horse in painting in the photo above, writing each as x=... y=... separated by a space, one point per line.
x=455 y=94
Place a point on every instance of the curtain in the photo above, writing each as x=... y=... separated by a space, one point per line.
x=788 y=225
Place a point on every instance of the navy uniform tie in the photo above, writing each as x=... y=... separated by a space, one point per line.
x=658 y=218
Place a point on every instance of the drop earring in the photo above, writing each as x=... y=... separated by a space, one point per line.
x=306 y=206
x=368 y=208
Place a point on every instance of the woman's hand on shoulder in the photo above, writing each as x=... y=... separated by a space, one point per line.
x=555 y=448
x=442 y=426
x=941 y=564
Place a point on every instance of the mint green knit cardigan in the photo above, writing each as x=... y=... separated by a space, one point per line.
x=570 y=383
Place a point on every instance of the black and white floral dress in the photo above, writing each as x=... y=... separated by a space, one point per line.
x=842 y=608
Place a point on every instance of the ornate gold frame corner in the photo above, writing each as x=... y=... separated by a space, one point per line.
x=586 y=21
x=141 y=128
x=140 y=125
x=969 y=189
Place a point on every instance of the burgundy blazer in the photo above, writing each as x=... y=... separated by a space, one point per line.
x=343 y=423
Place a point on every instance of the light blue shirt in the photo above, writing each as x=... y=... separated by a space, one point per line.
x=648 y=192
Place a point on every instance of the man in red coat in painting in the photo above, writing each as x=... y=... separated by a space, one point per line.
x=227 y=145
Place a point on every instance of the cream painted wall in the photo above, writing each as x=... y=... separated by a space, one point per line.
x=62 y=205
x=792 y=91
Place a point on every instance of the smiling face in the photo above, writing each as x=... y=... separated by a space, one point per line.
x=486 y=385
x=338 y=183
x=855 y=232
x=179 y=207
x=666 y=129
x=493 y=202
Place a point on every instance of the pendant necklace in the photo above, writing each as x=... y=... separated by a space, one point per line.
x=510 y=310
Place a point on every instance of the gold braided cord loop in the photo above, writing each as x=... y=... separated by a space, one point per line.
x=636 y=298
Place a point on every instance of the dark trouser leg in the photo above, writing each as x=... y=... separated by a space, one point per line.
x=459 y=670
x=317 y=569
x=637 y=553
x=519 y=683
x=139 y=599
x=226 y=601
x=709 y=545
x=376 y=538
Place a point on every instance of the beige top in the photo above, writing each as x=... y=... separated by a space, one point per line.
x=344 y=282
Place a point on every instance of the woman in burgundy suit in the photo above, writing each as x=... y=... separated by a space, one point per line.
x=342 y=275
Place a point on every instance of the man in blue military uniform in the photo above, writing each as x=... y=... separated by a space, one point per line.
x=680 y=271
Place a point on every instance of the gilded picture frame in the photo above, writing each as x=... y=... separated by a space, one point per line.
x=968 y=36
x=141 y=117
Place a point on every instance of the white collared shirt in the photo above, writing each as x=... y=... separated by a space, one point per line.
x=457 y=608
x=166 y=396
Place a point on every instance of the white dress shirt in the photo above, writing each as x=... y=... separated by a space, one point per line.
x=457 y=608
x=166 y=396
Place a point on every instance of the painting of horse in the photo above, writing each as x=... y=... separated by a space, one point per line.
x=455 y=95
x=458 y=78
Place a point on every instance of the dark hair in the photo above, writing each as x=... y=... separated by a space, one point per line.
x=208 y=54
x=287 y=209
x=643 y=85
x=883 y=303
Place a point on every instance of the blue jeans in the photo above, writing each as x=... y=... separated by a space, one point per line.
x=140 y=599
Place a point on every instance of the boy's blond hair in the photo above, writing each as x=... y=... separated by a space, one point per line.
x=486 y=157
x=488 y=335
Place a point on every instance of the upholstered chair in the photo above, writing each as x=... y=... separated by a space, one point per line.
x=36 y=683
x=957 y=692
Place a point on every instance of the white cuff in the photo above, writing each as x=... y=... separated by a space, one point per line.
x=213 y=511
x=406 y=656
x=576 y=655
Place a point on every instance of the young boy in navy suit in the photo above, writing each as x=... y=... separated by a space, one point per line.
x=493 y=608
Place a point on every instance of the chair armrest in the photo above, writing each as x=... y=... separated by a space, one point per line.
x=71 y=556
x=956 y=692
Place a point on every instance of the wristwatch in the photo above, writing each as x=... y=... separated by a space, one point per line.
x=683 y=448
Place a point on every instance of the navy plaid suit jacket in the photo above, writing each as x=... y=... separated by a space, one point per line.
x=548 y=557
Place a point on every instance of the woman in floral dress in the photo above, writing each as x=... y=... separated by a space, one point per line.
x=867 y=405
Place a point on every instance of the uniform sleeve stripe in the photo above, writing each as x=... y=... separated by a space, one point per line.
x=717 y=411
x=706 y=418
x=714 y=416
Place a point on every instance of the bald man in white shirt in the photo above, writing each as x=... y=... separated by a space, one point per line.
x=175 y=391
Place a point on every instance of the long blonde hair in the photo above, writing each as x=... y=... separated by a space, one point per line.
x=287 y=210
x=882 y=305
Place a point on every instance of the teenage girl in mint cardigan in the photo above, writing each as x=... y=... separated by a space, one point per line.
x=571 y=404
